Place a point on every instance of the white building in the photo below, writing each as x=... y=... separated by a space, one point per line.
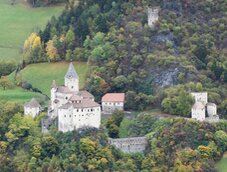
x=202 y=110
x=112 y=102
x=199 y=111
x=200 y=97
x=73 y=108
x=152 y=16
x=211 y=109
x=32 y=108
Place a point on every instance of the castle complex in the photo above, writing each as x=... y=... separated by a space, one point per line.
x=73 y=108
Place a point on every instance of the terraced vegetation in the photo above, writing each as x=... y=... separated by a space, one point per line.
x=20 y=20
x=41 y=75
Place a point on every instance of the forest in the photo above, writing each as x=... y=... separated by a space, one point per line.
x=175 y=145
x=156 y=68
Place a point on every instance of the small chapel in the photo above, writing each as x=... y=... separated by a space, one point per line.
x=73 y=108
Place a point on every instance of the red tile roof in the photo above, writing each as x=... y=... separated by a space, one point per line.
x=113 y=97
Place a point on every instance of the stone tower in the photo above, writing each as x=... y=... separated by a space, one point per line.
x=72 y=79
x=152 y=16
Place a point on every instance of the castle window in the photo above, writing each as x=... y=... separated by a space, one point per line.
x=70 y=116
x=77 y=110
x=91 y=110
x=65 y=115
x=81 y=110
x=66 y=98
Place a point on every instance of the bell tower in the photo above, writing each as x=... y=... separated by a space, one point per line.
x=72 y=79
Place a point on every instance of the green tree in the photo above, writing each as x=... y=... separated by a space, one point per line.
x=5 y=83
x=70 y=38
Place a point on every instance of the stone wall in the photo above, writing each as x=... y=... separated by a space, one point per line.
x=130 y=145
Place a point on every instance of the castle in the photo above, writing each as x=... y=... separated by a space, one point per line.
x=73 y=108
x=202 y=110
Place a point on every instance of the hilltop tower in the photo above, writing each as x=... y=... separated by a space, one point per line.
x=72 y=79
x=152 y=16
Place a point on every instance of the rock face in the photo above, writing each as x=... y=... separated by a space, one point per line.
x=165 y=77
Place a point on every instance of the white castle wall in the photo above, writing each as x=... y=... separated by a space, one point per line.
x=71 y=119
x=72 y=84
x=199 y=114
x=31 y=111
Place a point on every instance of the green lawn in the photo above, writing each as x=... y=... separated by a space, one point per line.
x=19 y=95
x=41 y=75
x=221 y=166
x=124 y=127
x=17 y=22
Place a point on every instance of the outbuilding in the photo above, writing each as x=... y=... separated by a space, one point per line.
x=112 y=102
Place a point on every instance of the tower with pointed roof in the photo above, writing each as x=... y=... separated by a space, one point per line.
x=72 y=79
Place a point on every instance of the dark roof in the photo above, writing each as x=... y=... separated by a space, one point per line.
x=84 y=103
x=71 y=73
x=85 y=94
x=32 y=104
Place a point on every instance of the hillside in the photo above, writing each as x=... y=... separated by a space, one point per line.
x=114 y=50
x=41 y=75
x=185 y=50
x=17 y=22
x=19 y=95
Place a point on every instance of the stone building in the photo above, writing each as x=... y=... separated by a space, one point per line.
x=32 y=108
x=73 y=108
x=199 y=111
x=211 y=109
x=112 y=102
x=200 y=97
x=152 y=16
x=202 y=109
x=130 y=145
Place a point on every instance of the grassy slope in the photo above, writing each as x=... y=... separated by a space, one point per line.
x=41 y=75
x=222 y=165
x=17 y=22
x=19 y=95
